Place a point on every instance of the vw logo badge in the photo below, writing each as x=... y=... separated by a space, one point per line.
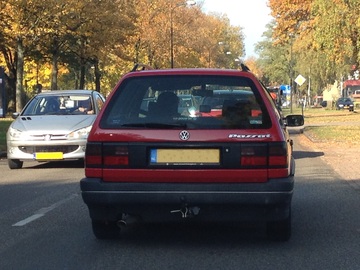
x=184 y=135
x=47 y=137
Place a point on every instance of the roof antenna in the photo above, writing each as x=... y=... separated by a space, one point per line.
x=142 y=66
x=244 y=67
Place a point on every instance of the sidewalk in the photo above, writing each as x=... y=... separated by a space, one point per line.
x=343 y=158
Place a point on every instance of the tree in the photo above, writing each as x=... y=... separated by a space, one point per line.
x=325 y=35
x=85 y=44
x=337 y=31
x=276 y=60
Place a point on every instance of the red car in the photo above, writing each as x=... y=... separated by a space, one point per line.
x=148 y=162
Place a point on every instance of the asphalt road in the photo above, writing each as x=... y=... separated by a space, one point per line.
x=45 y=225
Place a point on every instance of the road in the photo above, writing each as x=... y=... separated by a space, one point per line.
x=45 y=225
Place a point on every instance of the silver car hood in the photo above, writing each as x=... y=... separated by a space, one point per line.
x=53 y=123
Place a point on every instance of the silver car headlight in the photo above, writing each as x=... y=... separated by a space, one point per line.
x=80 y=133
x=16 y=134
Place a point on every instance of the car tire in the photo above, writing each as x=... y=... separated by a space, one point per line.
x=279 y=230
x=105 y=230
x=15 y=163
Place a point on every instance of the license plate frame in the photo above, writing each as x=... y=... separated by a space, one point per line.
x=49 y=155
x=193 y=156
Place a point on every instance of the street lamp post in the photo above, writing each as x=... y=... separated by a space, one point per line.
x=187 y=3
x=291 y=66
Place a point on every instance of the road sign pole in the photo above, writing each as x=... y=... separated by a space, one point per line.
x=2 y=93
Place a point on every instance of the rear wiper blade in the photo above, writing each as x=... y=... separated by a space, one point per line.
x=155 y=125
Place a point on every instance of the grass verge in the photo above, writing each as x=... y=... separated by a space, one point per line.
x=4 y=125
x=335 y=134
x=331 y=126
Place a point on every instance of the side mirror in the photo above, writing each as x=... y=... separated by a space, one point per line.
x=294 y=120
x=15 y=115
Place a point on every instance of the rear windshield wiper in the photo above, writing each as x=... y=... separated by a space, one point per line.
x=155 y=125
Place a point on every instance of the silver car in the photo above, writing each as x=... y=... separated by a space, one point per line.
x=52 y=126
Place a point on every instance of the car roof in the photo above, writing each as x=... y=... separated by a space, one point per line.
x=191 y=71
x=65 y=92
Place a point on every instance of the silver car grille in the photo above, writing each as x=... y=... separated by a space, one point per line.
x=51 y=148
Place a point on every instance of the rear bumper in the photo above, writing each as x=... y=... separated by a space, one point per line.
x=258 y=201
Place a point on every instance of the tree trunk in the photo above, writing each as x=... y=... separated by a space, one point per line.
x=10 y=78
x=82 y=75
x=19 y=74
x=97 y=76
x=54 y=72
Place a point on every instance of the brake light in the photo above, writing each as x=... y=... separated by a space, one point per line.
x=278 y=155
x=115 y=155
x=253 y=155
x=100 y=155
x=271 y=155
x=93 y=155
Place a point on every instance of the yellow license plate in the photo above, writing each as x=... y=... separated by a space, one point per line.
x=185 y=156
x=49 y=156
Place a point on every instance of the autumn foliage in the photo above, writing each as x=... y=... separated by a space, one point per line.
x=67 y=44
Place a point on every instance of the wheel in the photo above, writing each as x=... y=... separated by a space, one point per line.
x=279 y=230
x=15 y=164
x=105 y=229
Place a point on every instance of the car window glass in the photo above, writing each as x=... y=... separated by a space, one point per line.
x=199 y=102
x=59 y=104
x=99 y=102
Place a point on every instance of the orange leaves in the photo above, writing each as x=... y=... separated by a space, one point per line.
x=292 y=17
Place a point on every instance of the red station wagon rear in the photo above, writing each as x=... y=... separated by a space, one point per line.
x=228 y=157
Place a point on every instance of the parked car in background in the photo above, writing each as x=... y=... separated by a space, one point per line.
x=52 y=126
x=345 y=103
x=154 y=164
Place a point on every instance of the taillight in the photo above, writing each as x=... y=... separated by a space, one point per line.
x=253 y=155
x=278 y=155
x=93 y=155
x=106 y=155
x=116 y=155
x=271 y=155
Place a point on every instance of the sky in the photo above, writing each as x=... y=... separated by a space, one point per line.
x=251 y=15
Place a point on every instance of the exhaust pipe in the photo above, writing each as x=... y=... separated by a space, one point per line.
x=126 y=220
x=121 y=223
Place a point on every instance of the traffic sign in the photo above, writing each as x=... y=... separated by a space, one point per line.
x=300 y=80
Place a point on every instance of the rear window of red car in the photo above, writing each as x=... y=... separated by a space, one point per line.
x=217 y=102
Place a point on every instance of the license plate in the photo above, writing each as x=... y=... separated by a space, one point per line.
x=49 y=156
x=185 y=157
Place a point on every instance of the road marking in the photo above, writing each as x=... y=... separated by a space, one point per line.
x=27 y=220
x=41 y=212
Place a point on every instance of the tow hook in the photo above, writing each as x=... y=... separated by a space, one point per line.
x=187 y=212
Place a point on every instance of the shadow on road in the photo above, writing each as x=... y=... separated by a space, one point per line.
x=55 y=164
x=307 y=154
